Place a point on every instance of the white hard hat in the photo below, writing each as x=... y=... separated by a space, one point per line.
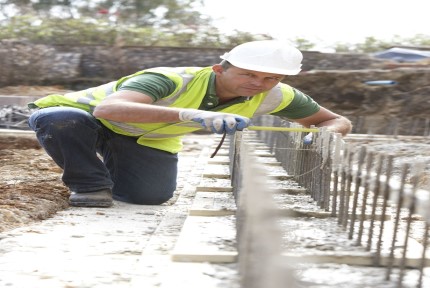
x=270 y=56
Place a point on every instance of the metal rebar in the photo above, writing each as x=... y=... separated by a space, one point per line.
x=358 y=180
x=399 y=204
x=343 y=176
x=336 y=167
x=385 y=194
x=423 y=258
x=348 y=190
x=369 y=164
x=326 y=171
x=376 y=193
x=406 y=241
x=416 y=176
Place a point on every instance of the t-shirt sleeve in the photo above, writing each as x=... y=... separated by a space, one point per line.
x=302 y=106
x=155 y=85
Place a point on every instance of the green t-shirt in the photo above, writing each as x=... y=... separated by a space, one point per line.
x=158 y=86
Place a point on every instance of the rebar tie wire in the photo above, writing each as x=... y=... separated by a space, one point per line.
x=305 y=173
x=222 y=142
x=219 y=145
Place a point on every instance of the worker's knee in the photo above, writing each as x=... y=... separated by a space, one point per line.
x=143 y=198
x=59 y=119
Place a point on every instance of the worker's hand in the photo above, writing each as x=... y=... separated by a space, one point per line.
x=215 y=121
x=308 y=139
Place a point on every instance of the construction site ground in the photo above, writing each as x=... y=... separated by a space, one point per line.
x=46 y=243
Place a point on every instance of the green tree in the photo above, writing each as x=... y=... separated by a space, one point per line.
x=106 y=22
x=303 y=44
x=371 y=44
x=141 y=13
x=341 y=47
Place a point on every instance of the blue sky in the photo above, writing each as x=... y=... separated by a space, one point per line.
x=323 y=21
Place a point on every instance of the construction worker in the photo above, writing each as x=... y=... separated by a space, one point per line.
x=120 y=140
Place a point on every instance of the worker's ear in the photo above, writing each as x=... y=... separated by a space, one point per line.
x=217 y=68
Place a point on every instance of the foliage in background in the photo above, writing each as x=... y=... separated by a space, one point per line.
x=87 y=31
x=371 y=44
x=141 y=22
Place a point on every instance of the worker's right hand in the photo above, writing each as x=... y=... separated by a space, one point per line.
x=215 y=121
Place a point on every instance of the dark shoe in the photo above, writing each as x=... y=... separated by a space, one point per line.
x=101 y=198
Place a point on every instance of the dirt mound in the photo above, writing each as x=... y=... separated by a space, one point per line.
x=30 y=183
x=32 y=90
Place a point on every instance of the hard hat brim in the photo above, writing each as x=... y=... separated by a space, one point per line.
x=258 y=68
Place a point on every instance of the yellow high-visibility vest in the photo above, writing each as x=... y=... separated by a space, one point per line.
x=191 y=87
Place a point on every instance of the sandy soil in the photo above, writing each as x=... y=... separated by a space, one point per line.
x=30 y=184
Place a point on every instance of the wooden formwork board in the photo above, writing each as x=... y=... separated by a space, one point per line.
x=354 y=259
x=215 y=184
x=217 y=169
x=213 y=204
x=214 y=189
x=225 y=160
x=207 y=239
x=413 y=257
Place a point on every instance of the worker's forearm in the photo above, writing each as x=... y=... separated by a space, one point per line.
x=339 y=125
x=136 y=113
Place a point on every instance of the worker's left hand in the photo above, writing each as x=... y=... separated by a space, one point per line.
x=308 y=139
x=215 y=121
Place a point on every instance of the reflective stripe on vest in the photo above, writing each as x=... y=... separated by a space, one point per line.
x=138 y=131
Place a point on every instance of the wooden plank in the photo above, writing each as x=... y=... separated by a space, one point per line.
x=270 y=163
x=217 y=176
x=219 y=162
x=214 y=189
x=215 y=184
x=263 y=161
x=297 y=212
x=258 y=153
x=216 y=169
x=281 y=177
x=348 y=258
x=213 y=204
x=291 y=191
x=207 y=239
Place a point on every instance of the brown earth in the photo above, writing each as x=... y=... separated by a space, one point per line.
x=30 y=183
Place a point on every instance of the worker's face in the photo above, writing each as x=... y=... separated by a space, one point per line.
x=241 y=82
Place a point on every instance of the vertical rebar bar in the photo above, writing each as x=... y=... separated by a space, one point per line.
x=423 y=258
x=326 y=170
x=376 y=193
x=399 y=205
x=316 y=174
x=369 y=164
x=348 y=189
x=336 y=164
x=386 y=193
x=343 y=177
x=358 y=180
x=416 y=177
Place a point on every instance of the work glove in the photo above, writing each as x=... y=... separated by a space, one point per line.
x=215 y=121
x=308 y=139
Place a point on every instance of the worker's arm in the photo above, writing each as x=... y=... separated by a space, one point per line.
x=325 y=118
x=135 y=107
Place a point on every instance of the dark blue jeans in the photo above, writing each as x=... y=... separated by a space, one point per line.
x=93 y=157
